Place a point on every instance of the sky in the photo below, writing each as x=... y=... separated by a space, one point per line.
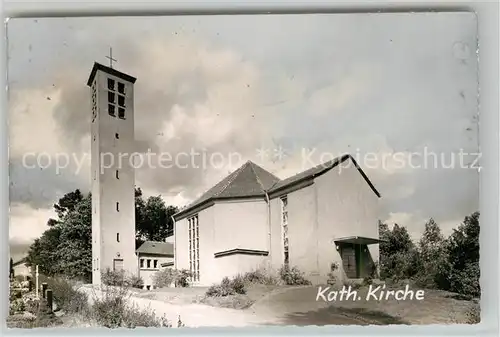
x=286 y=92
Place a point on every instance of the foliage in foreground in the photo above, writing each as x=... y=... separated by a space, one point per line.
x=450 y=264
x=121 y=279
x=167 y=277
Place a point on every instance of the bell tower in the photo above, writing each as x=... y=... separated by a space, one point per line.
x=112 y=170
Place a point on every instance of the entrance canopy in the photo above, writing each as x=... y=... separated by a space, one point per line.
x=358 y=240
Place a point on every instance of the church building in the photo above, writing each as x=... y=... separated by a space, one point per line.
x=327 y=214
x=323 y=216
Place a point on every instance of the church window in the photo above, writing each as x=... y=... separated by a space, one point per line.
x=117 y=206
x=111 y=84
x=142 y=263
x=111 y=109
x=117 y=175
x=111 y=97
x=121 y=88
x=284 y=226
x=117 y=136
x=117 y=237
x=121 y=113
x=121 y=100
x=194 y=248
x=155 y=264
x=148 y=263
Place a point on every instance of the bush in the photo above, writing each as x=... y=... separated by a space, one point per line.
x=227 y=287
x=293 y=276
x=113 y=311
x=261 y=276
x=67 y=297
x=182 y=278
x=121 y=279
x=166 y=277
x=134 y=281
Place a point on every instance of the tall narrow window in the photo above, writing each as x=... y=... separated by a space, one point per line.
x=117 y=136
x=117 y=175
x=121 y=88
x=111 y=97
x=142 y=263
x=111 y=84
x=148 y=264
x=111 y=110
x=284 y=227
x=117 y=237
x=121 y=113
x=155 y=264
x=121 y=100
x=117 y=206
x=194 y=248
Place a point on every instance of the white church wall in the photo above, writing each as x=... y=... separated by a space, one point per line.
x=241 y=224
x=347 y=206
x=301 y=231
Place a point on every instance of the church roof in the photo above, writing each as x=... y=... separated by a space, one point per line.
x=319 y=170
x=109 y=70
x=157 y=248
x=250 y=180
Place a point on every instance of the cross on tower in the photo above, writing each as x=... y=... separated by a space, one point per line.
x=110 y=57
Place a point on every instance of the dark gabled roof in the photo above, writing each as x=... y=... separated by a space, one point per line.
x=158 y=248
x=109 y=70
x=23 y=260
x=250 y=180
x=319 y=170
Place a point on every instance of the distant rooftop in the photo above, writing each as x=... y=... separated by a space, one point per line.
x=158 y=248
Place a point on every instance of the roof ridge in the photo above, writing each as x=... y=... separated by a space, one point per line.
x=236 y=174
x=257 y=177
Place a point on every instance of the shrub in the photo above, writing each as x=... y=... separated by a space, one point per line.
x=134 y=281
x=121 y=279
x=227 y=287
x=113 y=311
x=182 y=278
x=164 y=278
x=113 y=278
x=293 y=276
x=261 y=276
x=67 y=297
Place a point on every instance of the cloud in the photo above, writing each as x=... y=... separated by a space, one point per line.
x=331 y=83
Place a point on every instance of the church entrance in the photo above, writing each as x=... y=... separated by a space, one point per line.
x=118 y=264
x=352 y=260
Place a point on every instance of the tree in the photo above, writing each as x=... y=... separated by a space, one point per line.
x=432 y=254
x=154 y=219
x=460 y=270
x=68 y=203
x=398 y=255
x=75 y=250
x=66 y=246
x=43 y=252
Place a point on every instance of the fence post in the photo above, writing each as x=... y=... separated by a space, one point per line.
x=44 y=289
x=49 y=299
x=36 y=284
